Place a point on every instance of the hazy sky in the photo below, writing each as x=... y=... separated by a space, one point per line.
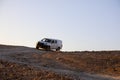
x=80 y=24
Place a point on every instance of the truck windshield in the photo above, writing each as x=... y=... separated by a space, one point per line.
x=46 y=40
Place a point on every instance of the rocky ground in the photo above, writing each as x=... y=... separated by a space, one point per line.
x=24 y=63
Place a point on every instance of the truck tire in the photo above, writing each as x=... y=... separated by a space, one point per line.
x=58 y=49
x=37 y=46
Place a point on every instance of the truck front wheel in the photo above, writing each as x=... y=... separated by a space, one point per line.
x=37 y=46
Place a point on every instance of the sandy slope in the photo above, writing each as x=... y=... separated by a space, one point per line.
x=18 y=62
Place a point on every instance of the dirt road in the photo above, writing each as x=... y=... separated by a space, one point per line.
x=18 y=62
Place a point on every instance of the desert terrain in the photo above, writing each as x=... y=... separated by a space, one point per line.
x=25 y=63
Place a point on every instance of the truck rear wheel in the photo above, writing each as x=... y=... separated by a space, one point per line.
x=58 y=49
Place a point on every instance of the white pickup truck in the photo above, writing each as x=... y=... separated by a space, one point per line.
x=49 y=44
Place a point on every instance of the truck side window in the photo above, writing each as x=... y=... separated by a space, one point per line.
x=55 y=41
x=52 y=41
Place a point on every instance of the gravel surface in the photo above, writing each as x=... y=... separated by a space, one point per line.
x=24 y=63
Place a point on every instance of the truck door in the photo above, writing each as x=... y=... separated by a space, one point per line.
x=53 y=44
